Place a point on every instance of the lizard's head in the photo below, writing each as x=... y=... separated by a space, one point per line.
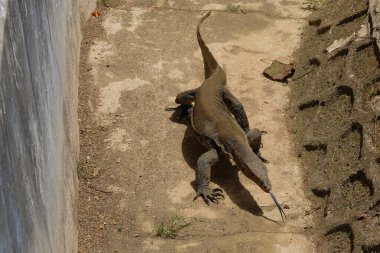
x=257 y=172
x=260 y=177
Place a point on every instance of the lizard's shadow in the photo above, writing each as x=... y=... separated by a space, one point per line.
x=223 y=173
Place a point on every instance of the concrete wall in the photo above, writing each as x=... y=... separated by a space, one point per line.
x=38 y=125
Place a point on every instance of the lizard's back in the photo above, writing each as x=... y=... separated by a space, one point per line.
x=211 y=116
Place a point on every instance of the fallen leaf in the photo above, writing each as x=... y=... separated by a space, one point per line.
x=341 y=43
x=95 y=13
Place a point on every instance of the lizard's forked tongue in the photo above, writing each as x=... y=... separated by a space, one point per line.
x=278 y=206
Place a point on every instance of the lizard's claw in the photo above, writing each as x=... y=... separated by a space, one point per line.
x=180 y=111
x=213 y=195
x=171 y=108
x=262 y=158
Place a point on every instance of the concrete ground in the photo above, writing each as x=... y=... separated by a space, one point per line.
x=137 y=166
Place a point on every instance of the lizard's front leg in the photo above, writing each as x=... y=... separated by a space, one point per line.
x=254 y=139
x=203 y=173
x=254 y=135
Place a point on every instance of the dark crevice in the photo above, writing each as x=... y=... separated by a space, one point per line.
x=315 y=22
x=315 y=147
x=323 y=30
x=347 y=90
x=340 y=53
x=377 y=53
x=310 y=104
x=315 y=61
x=353 y=17
x=371 y=248
x=377 y=204
x=375 y=46
x=364 y=46
x=378 y=160
x=344 y=228
x=321 y=192
x=361 y=177
x=357 y=127
x=375 y=80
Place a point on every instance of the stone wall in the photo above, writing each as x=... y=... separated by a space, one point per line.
x=39 y=51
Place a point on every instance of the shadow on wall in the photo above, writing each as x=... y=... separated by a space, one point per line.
x=38 y=125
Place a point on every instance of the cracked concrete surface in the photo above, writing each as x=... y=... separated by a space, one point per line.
x=147 y=54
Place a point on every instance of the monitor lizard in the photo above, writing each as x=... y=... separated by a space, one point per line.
x=222 y=126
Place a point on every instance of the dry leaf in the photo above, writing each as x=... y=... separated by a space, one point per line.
x=95 y=13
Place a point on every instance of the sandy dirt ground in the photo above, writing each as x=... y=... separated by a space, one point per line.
x=137 y=166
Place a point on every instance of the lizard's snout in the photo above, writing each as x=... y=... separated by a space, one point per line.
x=266 y=187
x=258 y=174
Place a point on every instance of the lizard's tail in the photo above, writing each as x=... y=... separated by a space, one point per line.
x=210 y=64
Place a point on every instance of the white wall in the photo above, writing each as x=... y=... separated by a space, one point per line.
x=39 y=51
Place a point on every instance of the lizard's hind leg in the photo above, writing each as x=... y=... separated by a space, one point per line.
x=203 y=173
x=254 y=139
x=186 y=97
x=185 y=100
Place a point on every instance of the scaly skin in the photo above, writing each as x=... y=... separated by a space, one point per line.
x=222 y=126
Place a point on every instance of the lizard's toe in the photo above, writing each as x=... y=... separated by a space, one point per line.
x=215 y=190
x=217 y=193
x=213 y=195
x=203 y=196
x=213 y=199
x=264 y=160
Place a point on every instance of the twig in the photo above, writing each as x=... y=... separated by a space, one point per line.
x=100 y=190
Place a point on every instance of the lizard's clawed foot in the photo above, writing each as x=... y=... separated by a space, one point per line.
x=213 y=195
x=180 y=111
x=171 y=108
x=262 y=158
